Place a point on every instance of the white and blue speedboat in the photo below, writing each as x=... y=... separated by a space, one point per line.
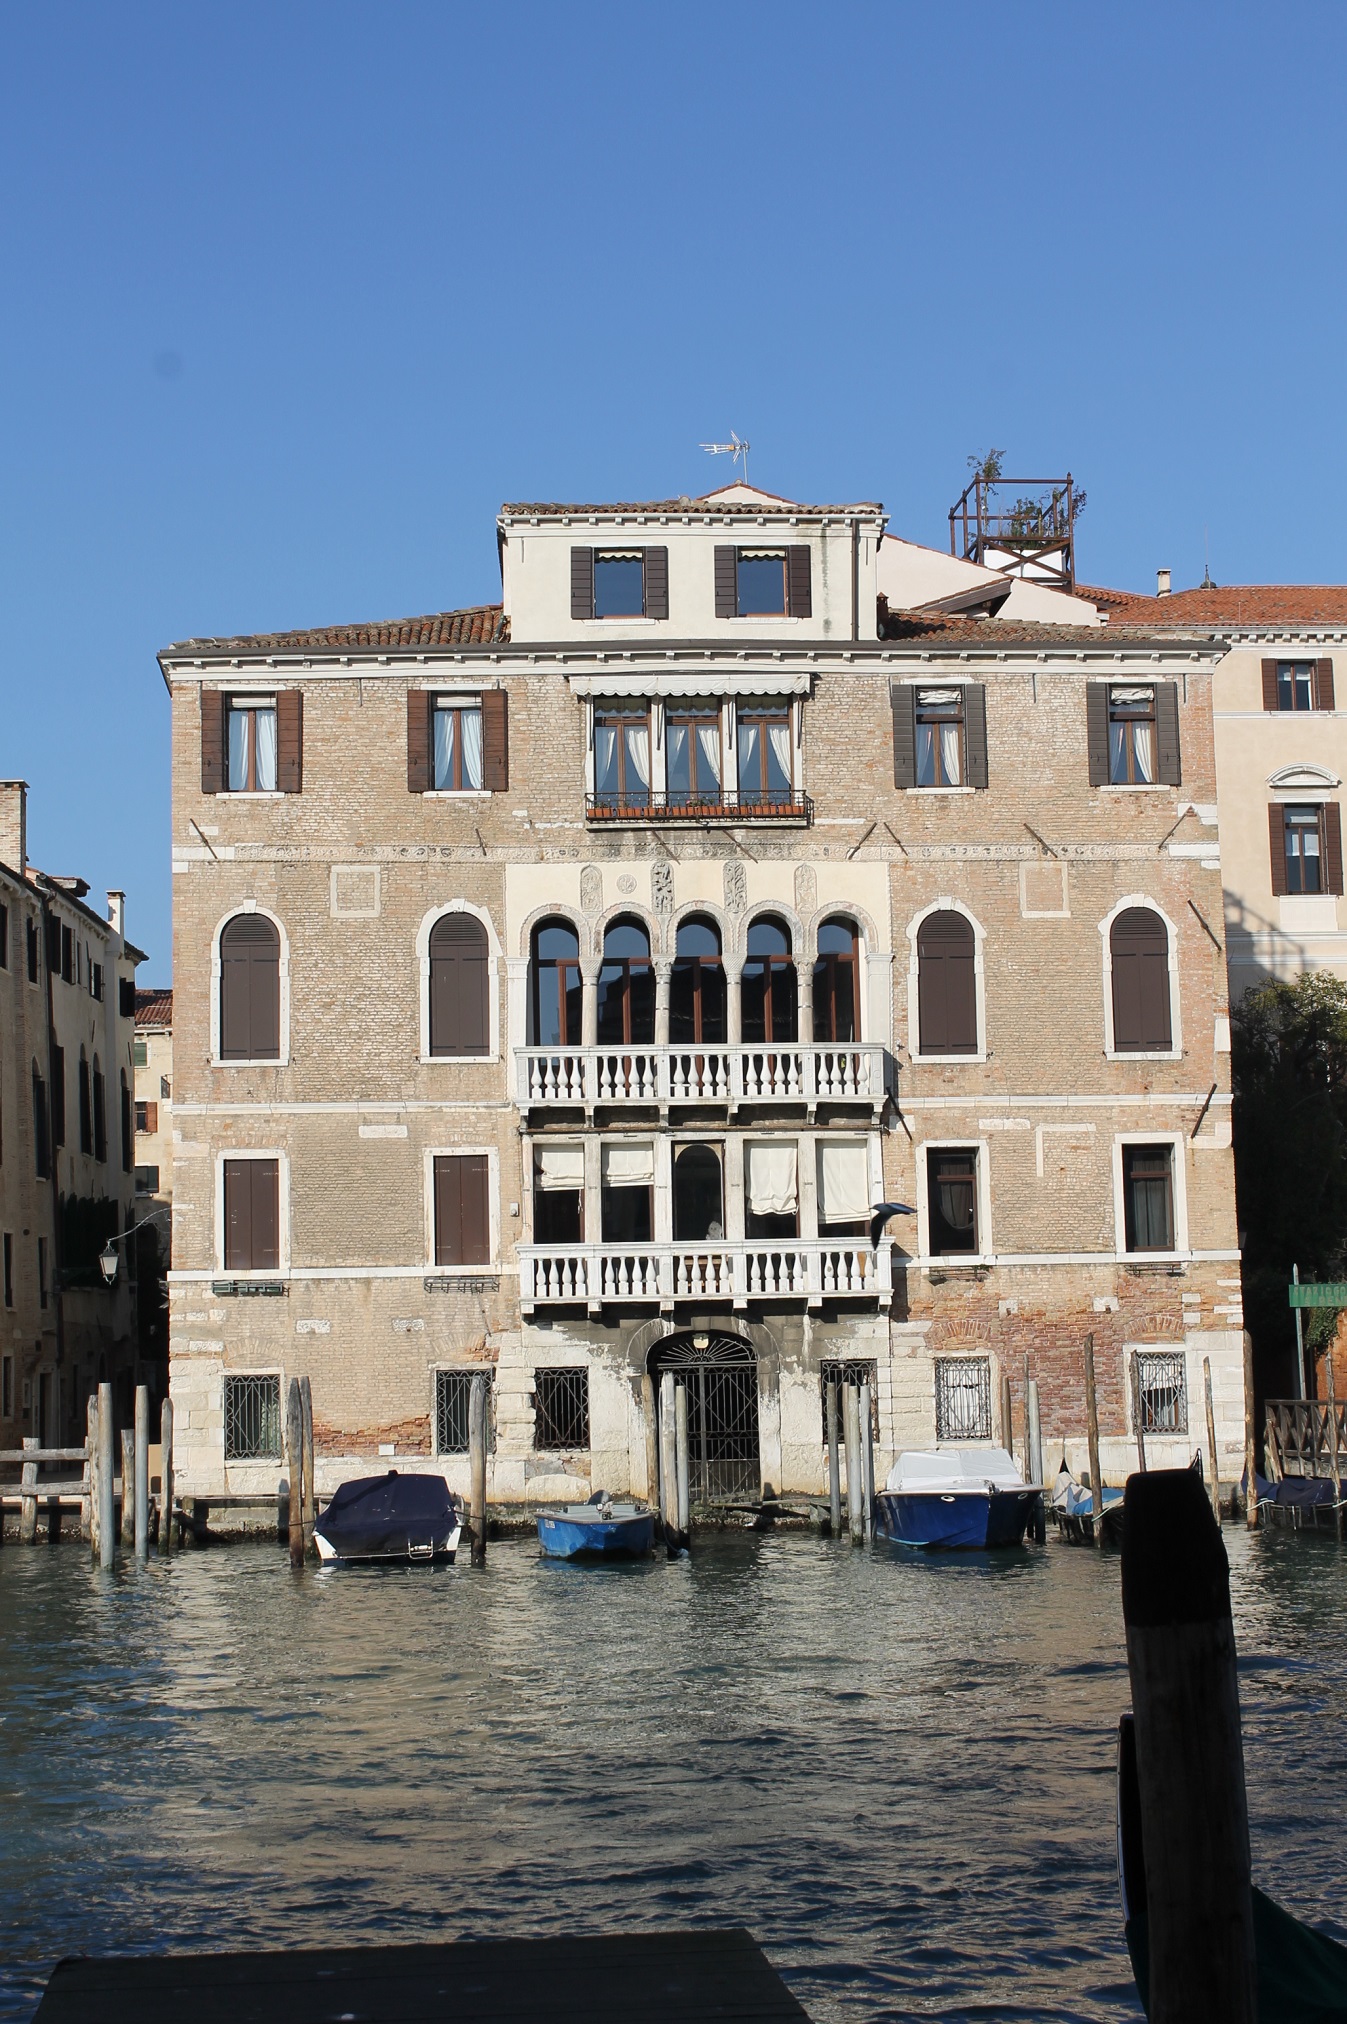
x=615 y=1531
x=952 y=1497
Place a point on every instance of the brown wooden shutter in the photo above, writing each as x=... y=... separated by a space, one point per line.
x=799 y=588
x=213 y=706
x=1332 y=847
x=459 y=1000
x=1323 y=685
x=975 y=733
x=238 y=1215
x=127 y=1134
x=657 y=583
x=252 y=1216
x=1168 y=770
x=1276 y=836
x=462 y=1217
x=903 y=698
x=1096 y=731
x=727 y=583
x=151 y=1117
x=1269 y=685
x=495 y=741
x=250 y=989
x=266 y=1192
x=946 y=986
x=290 y=740
x=1139 y=959
x=582 y=583
x=58 y=1096
x=420 y=712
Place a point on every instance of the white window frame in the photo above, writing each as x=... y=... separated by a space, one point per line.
x=939 y=1261
x=282 y=1159
x=1191 y=1394
x=253 y=1461
x=494 y=965
x=1177 y=1143
x=945 y=905
x=281 y=1060
x=1175 y=1051
x=428 y=1158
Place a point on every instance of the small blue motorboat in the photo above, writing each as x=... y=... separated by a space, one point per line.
x=601 y=1527
x=956 y=1497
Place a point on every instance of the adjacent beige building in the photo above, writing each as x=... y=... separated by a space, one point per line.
x=67 y=992
x=153 y=1053
x=560 y=985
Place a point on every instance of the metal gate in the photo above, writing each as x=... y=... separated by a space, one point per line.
x=720 y=1376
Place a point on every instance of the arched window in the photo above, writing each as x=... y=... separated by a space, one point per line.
x=250 y=989
x=837 y=993
x=626 y=986
x=697 y=991
x=460 y=1020
x=554 y=986
x=86 y=1107
x=1139 y=953
x=769 y=996
x=947 y=1013
x=100 y=1114
x=698 y=1195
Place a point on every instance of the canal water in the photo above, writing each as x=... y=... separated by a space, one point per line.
x=896 y=1771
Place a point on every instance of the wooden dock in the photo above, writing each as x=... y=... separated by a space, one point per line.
x=662 y=1978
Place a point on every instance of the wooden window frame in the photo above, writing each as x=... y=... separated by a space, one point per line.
x=616 y=552
x=249 y=706
x=1303 y=816
x=1131 y=715
x=693 y=970
x=984 y=1254
x=1283 y=669
x=557 y=966
x=218 y=1059
x=927 y=715
x=824 y=981
x=626 y=795
x=1177 y=1193
x=765 y=799
x=223 y=1157
x=628 y=965
x=695 y=795
x=777 y=965
x=457 y=706
x=1112 y=1051
x=491 y=1264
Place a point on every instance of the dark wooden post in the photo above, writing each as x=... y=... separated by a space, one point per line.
x=128 y=1486
x=88 y=1499
x=166 y=1477
x=834 y=1463
x=668 y=1460
x=867 y=1460
x=28 y=1495
x=306 y=1445
x=294 y=1461
x=142 y=1470
x=1215 y=1485
x=1190 y=1760
x=107 y=1503
x=1092 y=1429
x=1335 y=1466
x=851 y=1416
x=1250 y=1438
x=681 y=1463
x=477 y=1432
x=1007 y=1415
x=1138 y=1424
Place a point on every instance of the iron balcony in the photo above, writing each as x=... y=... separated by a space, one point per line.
x=655 y=805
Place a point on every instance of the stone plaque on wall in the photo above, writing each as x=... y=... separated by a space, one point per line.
x=591 y=891
x=806 y=890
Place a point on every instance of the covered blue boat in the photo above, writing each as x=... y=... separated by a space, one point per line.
x=615 y=1531
x=390 y=1517
x=956 y=1497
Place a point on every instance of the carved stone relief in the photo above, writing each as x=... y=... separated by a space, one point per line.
x=736 y=885
x=662 y=887
x=806 y=890
x=591 y=891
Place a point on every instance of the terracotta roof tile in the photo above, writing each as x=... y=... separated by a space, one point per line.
x=478 y=625
x=910 y=628
x=738 y=509
x=1234 y=606
x=154 y=1008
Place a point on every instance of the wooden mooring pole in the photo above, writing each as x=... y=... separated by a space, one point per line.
x=1092 y=1431
x=1035 y=1433
x=28 y=1496
x=142 y=1471
x=307 y=1505
x=867 y=1461
x=1212 y=1457
x=1138 y=1417
x=834 y=1463
x=166 y=1477
x=851 y=1415
x=88 y=1496
x=681 y=1458
x=128 y=1486
x=1190 y=1759
x=294 y=1462
x=1335 y=1466
x=1250 y=1438
x=107 y=1506
x=1007 y=1415
x=668 y=1459
x=477 y=1433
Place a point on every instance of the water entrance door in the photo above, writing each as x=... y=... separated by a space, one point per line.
x=721 y=1380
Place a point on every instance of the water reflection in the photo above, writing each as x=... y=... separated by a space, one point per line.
x=896 y=1771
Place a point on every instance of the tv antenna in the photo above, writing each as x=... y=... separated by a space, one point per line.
x=734 y=450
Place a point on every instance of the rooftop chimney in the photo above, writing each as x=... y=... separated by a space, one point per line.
x=14 y=825
x=1162 y=583
x=117 y=912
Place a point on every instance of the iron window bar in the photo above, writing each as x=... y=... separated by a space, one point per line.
x=1162 y=1391
x=252 y=1418
x=453 y=1395
x=963 y=1398
x=561 y=1409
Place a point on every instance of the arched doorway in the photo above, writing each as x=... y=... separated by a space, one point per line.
x=720 y=1375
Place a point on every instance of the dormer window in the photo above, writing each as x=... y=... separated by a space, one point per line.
x=764 y=582
x=619 y=583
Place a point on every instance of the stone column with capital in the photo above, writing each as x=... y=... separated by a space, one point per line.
x=663 y=979
x=589 y=1001
x=804 y=978
x=734 y=1020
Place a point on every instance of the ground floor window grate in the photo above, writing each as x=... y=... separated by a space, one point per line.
x=963 y=1398
x=845 y=1371
x=561 y=1409
x=1162 y=1391
x=252 y=1418
x=453 y=1400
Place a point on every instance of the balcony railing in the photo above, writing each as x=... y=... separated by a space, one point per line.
x=625 y=1275
x=551 y=1077
x=658 y=806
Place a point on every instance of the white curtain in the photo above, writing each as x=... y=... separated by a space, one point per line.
x=749 y=773
x=843 y=1183
x=773 y=1188
x=472 y=747
x=238 y=749
x=1143 y=748
x=949 y=754
x=629 y=1166
x=679 y=776
x=605 y=758
x=779 y=737
x=708 y=749
x=265 y=720
x=444 y=748
x=638 y=753
x=559 y=1167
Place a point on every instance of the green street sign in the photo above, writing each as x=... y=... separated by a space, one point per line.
x=1332 y=1293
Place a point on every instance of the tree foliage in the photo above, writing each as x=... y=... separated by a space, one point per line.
x=1289 y=1065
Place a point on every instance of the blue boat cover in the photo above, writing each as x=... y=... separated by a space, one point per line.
x=378 y=1515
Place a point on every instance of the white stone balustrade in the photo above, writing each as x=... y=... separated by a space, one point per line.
x=601 y=1275
x=557 y=1077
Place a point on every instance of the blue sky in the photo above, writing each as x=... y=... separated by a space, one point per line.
x=295 y=295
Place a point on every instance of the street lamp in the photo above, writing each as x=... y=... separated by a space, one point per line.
x=108 y=1260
